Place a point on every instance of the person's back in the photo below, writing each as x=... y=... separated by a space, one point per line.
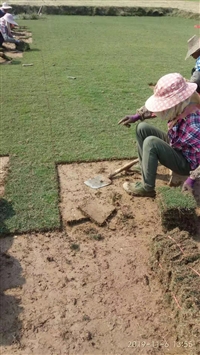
x=194 y=52
x=4 y=29
x=2 y=13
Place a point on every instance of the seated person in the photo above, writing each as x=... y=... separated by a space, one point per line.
x=6 y=24
x=194 y=51
x=176 y=101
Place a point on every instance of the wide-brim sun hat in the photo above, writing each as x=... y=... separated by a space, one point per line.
x=193 y=46
x=6 y=6
x=9 y=18
x=169 y=91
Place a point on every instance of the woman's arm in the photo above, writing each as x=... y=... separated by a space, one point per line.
x=195 y=173
x=145 y=114
x=195 y=78
x=142 y=114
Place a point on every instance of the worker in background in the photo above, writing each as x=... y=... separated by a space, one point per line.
x=194 y=52
x=4 y=9
x=7 y=23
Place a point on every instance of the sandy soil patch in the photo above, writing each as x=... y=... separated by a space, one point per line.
x=89 y=289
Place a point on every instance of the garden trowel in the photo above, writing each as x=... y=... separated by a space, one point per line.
x=98 y=181
x=101 y=181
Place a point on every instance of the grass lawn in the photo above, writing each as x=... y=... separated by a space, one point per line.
x=47 y=118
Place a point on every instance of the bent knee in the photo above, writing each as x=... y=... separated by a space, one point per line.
x=141 y=127
x=152 y=142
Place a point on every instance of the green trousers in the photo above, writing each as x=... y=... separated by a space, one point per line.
x=153 y=147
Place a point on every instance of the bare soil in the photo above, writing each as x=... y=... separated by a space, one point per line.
x=89 y=289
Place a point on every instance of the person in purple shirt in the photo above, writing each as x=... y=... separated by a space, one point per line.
x=176 y=101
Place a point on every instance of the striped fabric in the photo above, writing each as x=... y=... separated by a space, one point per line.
x=185 y=137
x=197 y=65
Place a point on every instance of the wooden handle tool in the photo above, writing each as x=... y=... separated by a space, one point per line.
x=125 y=167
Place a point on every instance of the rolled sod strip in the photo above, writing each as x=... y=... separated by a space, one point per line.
x=177 y=209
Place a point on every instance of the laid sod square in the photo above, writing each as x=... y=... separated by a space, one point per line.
x=177 y=209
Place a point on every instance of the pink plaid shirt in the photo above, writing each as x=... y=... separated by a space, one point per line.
x=184 y=136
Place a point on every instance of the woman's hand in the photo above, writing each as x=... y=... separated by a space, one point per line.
x=127 y=120
x=188 y=185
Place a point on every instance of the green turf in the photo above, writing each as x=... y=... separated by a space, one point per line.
x=177 y=209
x=47 y=118
x=173 y=199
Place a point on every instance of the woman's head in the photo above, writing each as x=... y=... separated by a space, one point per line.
x=9 y=19
x=6 y=7
x=170 y=90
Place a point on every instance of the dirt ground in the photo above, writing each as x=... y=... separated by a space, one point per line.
x=88 y=289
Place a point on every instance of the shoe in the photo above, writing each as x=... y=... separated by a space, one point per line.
x=137 y=189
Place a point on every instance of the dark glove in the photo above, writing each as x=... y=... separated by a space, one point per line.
x=127 y=120
x=188 y=185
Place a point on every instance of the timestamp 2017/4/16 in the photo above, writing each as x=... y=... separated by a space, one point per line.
x=160 y=344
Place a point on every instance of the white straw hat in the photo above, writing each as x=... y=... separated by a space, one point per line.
x=6 y=6
x=169 y=91
x=9 y=18
x=193 y=46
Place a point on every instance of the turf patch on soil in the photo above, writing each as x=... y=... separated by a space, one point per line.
x=176 y=262
x=177 y=209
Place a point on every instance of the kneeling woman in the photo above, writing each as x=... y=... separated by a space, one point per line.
x=176 y=101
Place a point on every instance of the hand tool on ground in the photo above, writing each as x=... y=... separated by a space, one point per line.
x=101 y=181
x=124 y=167
x=98 y=181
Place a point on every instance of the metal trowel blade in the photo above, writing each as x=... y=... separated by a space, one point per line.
x=97 y=182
